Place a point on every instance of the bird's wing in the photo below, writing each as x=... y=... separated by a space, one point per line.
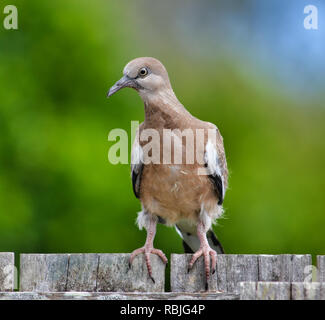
x=136 y=165
x=216 y=163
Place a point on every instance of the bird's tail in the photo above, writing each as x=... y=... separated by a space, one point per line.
x=191 y=242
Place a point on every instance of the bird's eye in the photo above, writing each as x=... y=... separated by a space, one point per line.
x=143 y=72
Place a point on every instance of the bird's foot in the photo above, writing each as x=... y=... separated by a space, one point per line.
x=146 y=250
x=206 y=252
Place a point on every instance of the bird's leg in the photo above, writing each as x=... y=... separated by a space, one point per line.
x=148 y=247
x=206 y=251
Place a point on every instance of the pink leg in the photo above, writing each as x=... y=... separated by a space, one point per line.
x=206 y=251
x=148 y=248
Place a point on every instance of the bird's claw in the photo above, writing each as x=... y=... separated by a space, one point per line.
x=147 y=250
x=206 y=252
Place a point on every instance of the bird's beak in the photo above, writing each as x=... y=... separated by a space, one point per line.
x=124 y=82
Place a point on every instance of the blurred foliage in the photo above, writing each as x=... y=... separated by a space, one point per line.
x=59 y=193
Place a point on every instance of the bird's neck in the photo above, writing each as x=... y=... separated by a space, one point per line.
x=163 y=104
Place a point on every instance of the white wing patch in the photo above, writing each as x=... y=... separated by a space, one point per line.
x=136 y=154
x=212 y=159
x=136 y=166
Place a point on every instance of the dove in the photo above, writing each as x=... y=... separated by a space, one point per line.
x=186 y=194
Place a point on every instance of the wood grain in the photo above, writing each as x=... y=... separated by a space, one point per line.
x=321 y=268
x=115 y=296
x=89 y=272
x=43 y=272
x=273 y=291
x=264 y=290
x=235 y=268
x=308 y=291
x=7 y=271
x=114 y=274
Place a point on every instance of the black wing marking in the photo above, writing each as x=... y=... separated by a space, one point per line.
x=136 y=165
x=216 y=164
x=136 y=179
x=218 y=186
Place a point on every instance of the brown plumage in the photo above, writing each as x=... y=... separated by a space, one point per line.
x=187 y=195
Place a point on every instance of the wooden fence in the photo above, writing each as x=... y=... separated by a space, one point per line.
x=108 y=277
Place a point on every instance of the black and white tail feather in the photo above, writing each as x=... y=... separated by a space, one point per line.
x=191 y=242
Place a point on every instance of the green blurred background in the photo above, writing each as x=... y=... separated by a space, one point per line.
x=248 y=66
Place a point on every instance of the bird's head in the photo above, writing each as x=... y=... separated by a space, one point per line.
x=146 y=75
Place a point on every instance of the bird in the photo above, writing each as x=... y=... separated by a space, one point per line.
x=188 y=195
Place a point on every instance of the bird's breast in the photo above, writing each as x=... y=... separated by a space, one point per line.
x=174 y=192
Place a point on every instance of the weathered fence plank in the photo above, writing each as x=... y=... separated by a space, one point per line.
x=89 y=272
x=273 y=291
x=193 y=281
x=274 y=267
x=308 y=291
x=298 y=264
x=241 y=268
x=7 y=271
x=312 y=290
x=82 y=272
x=297 y=291
x=247 y=290
x=322 y=291
x=282 y=291
x=114 y=274
x=232 y=269
x=283 y=267
x=115 y=296
x=321 y=268
x=43 y=272
x=109 y=277
x=265 y=290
